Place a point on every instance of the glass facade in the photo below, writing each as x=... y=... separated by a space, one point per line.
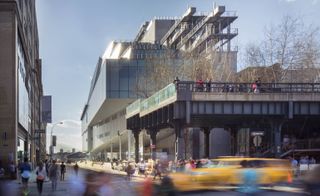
x=24 y=103
x=122 y=76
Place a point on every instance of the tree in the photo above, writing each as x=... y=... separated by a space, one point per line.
x=291 y=44
x=159 y=71
x=188 y=66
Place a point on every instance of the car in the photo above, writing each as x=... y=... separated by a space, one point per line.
x=229 y=171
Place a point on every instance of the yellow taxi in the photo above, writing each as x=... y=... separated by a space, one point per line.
x=228 y=171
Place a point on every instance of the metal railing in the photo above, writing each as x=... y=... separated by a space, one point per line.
x=248 y=87
x=158 y=98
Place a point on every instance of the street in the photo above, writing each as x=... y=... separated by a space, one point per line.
x=120 y=186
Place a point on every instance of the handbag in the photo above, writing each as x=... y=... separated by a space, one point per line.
x=40 y=177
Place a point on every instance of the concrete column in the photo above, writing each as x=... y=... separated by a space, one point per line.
x=206 y=131
x=111 y=149
x=179 y=142
x=195 y=144
x=136 y=145
x=129 y=145
x=179 y=148
x=233 y=138
x=277 y=138
x=153 y=144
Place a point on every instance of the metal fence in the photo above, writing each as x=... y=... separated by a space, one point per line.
x=248 y=87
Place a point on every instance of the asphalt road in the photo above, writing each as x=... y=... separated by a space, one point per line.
x=120 y=186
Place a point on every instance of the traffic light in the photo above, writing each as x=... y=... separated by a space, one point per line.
x=54 y=140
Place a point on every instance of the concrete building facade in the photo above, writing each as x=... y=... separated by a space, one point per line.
x=113 y=86
x=22 y=132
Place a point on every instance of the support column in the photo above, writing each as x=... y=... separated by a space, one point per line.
x=179 y=142
x=129 y=145
x=233 y=137
x=276 y=127
x=153 y=144
x=206 y=131
x=136 y=145
x=111 y=151
x=195 y=143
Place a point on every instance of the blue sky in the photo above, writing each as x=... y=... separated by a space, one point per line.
x=74 y=33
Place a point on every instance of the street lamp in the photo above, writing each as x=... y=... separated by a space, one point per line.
x=119 y=134
x=51 y=143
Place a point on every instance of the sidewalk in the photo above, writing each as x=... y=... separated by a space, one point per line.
x=107 y=168
x=70 y=186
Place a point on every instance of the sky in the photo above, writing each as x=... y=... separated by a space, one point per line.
x=74 y=33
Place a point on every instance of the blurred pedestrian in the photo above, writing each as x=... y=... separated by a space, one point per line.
x=2 y=171
x=258 y=82
x=157 y=170
x=167 y=187
x=254 y=88
x=12 y=170
x=176 y=80
x=105 y=187
x=19 y=171
x=295 y=166
x=130 y=170
x=25 y=173
x=249 y=178
x=199 y=85
x=62 y=171
x=208 y=85
x=41 y=175
x=76 y=169
x=312 y=181
x=54 y=175
x=142 y=168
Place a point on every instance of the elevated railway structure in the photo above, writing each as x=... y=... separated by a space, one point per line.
x=277 y=108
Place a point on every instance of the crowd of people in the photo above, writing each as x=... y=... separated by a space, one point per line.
x=159 y=168
x=43 y=171
x=208 y=86
x=303 y=160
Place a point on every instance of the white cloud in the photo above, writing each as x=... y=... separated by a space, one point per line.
x=68 y=135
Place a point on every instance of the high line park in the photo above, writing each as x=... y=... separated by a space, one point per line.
x=279 y=110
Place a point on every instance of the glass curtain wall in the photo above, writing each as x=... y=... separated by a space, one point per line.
x=122 y=77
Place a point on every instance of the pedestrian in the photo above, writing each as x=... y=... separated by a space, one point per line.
x=176 y=80
x=12 y=170
x=142 y=168
x=53 y=175
x=249 y=177
x=130 y=170
x=25 y=170
x=157 y=170
x=46 y=163
x=62 y=171
x=258 y=82
x=208 y=85
x=41 y=175
x=199 y=85
x=2 y=171
x=76 y=169
x=295 y=166
x=18 y=168
x=254 y=87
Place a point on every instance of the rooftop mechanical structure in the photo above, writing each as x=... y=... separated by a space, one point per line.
x=202 y=32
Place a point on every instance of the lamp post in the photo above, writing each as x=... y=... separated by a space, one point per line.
x=119 y=134
x=51 y=143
